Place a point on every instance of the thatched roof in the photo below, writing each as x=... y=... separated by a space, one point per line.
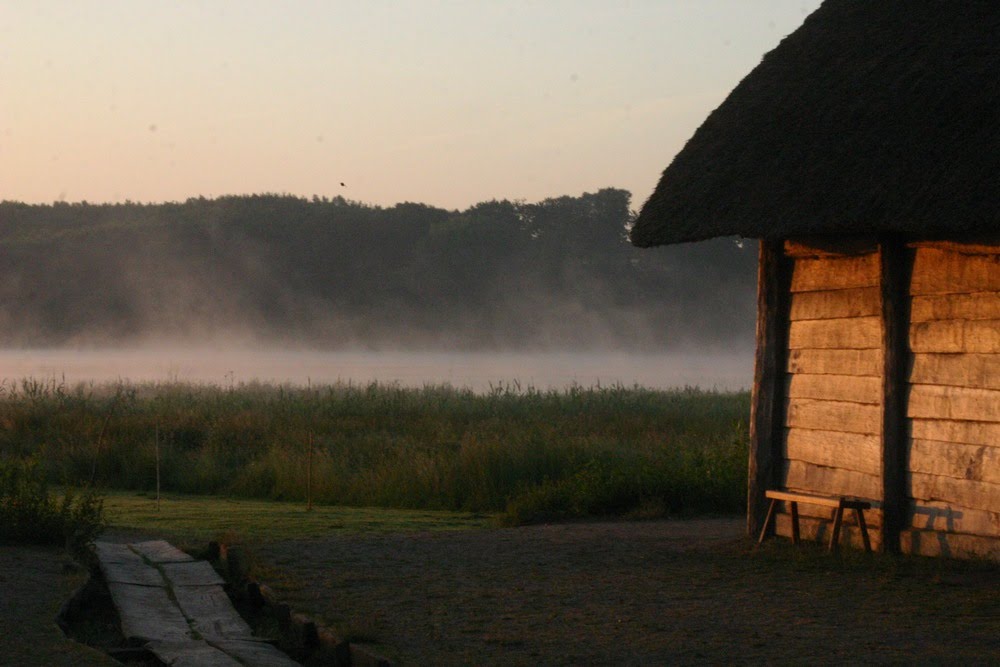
x=874 y=116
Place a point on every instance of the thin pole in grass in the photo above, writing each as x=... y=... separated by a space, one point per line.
x=309 y=448
x=157 y=441
x=309 y=472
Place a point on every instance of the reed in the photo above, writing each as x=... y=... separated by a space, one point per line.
x=527 y=453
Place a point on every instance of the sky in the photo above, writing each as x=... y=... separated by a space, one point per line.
x=444 y=103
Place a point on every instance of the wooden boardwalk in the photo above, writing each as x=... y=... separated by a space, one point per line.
x=176 y=606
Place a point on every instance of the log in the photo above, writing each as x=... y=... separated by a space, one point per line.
x=836 y=362
x=954 y=403
x=854 y=333
x=980 y=371
x=974 y=495
x=970 y=433
x=767 y=407
x=942 y=272
x=975 y=306
x=833 y=416
x=979 y=463
x=956 y=336
x=944 y=517
x=849 y=388
x=811 y=275
x=895 y=269
x=833 y=304
x=851 y=451
x=801 y=476
x=935 y=544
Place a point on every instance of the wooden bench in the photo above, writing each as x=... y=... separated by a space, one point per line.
x=839 y=503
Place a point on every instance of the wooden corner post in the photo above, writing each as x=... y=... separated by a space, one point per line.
x=896 y=265
x=767 y=408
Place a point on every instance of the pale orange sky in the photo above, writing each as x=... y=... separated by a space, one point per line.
x=447 y=103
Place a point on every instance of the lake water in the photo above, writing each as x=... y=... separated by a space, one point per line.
x=475 y=370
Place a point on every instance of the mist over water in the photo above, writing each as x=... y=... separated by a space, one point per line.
x=479 y=371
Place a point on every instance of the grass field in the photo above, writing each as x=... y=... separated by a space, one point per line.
x=528 y=454
x=198 y=519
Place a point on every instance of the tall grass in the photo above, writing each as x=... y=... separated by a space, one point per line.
x=531 y=454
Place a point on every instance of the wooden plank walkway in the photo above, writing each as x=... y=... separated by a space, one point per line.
x=176 y=606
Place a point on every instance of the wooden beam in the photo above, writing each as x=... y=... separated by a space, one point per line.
x=767 y=417
x=896 y=265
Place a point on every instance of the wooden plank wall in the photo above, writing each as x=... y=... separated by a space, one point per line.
x=833 y=387
x=954 y=404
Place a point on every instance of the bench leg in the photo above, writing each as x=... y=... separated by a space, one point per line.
x=864 y=529
x=767 y=522
x=795 y=521
x=838 y=519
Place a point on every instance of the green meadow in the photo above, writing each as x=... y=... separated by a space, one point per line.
x=522 y=454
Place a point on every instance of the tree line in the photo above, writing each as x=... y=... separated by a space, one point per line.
x=332 y=273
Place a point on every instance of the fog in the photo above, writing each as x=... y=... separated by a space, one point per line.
x=478 y=371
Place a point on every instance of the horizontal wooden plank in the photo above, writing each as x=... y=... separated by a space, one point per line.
x=851 y=333
x=943 y=430
x=850 y=388
x=799 y=497
x=801 y=476
x=942 y=272
x=975 y=306
x=980 y=371
x=953 y=403
x=978 y=244
x=980 y=463
x=828 y=273
x=851 y=451
x=830 y=246
x=932 y=543
x=925 y=515
x=833 y=416
x=955 y=336
x=967 y=493
x=833 y=304
x=836 y=362
x=816 y=530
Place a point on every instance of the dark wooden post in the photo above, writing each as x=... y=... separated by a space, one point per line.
x=767 y=408
x=896 y=262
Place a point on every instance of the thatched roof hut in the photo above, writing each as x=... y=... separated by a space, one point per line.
x=864 y=152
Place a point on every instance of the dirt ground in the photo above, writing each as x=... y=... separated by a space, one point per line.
x=34 y=584
x=642 y=593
